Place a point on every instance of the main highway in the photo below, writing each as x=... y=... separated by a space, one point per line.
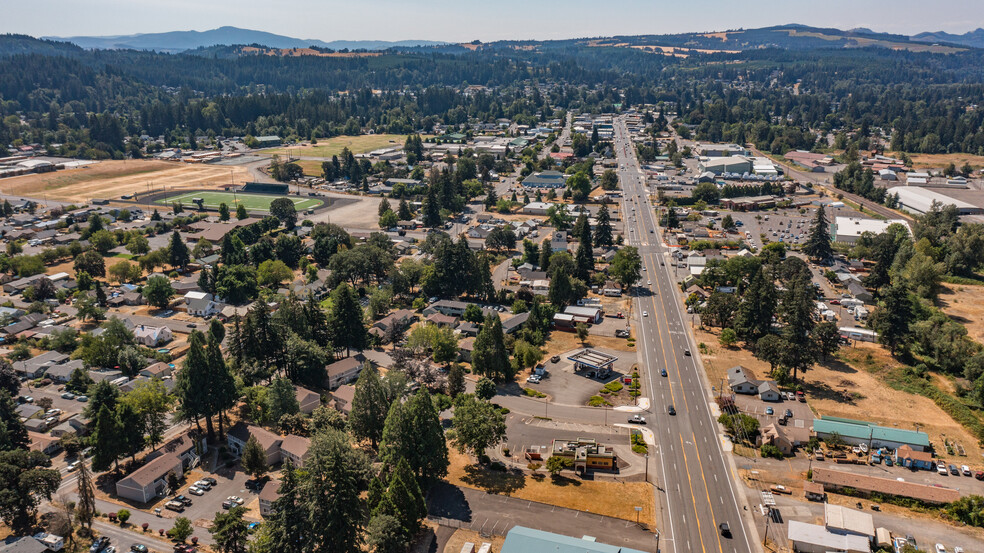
x=695 y=482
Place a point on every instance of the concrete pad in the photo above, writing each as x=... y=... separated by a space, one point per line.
x=647 y=434
x=643 y=406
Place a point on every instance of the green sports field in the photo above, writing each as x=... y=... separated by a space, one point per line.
x=252 y=202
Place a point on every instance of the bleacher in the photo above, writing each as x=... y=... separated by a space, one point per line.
x=264 y=188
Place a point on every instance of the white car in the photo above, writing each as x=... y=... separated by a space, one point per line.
x=195 y=490
x=72 y=466
x=940 y=548
x=649 y=283
x=203 y=485
x=645 y=313
x=941 y=469
x=235 y=499
x=965 y=470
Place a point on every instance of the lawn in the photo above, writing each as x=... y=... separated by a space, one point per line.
x=253 y=202
x=328 y=147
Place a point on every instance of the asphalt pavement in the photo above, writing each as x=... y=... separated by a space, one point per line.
x=695 y=482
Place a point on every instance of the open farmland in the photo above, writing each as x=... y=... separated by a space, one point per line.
x=112 y=179
x=333 y=146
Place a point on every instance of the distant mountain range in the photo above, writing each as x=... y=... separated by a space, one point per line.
x=974 y=39
x=180 y=41
x=790 y=36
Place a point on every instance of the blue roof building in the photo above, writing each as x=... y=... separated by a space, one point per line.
x=527 y=540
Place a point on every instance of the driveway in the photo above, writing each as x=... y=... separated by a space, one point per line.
x=566 y=387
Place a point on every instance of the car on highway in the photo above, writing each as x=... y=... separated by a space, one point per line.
x=101 y=543
x=72 y=466
x=645 y=313
x=649 y=283
x=636 y=419
x=671 y=410
x=686 y=352
x=725 y=529
x=662 y=372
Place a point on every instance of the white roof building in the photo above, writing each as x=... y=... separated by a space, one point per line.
x=813 y=538
x=849 y=229
x=841 y=520
x=920 y=200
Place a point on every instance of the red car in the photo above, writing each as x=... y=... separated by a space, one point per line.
x=835 y=302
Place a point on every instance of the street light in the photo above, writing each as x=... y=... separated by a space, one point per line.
x=647 y=467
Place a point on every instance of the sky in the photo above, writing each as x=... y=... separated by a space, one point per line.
x=486 y=20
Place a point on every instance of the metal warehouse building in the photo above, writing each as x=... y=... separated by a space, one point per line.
x=920 y=200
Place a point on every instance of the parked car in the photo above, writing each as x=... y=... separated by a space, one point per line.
x=769 y=411
x=203 y=484
x=965 y=470
x=534 y=379
x=954 y=470
x=138 y=548
x=82 y=398
x=195 y=490
x=979 y=475
x=788 y=413
x=183 y=499
x=176 y=506
x=636 y=419
x=228 y=504
x=68 y=395
x=238 y=500
x=801 y=396
x=252 y=527
x=941 y=469
x=940 y=548
x=209 y=480
x=101 y=543
x=555 y=359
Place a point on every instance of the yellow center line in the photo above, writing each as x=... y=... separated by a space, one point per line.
x=692 y=496
x=707 y=492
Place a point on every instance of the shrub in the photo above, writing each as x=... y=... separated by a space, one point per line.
x=614 y=386
x=769 y=450
x=598 y=401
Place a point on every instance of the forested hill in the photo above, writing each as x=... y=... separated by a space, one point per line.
x=779 y=98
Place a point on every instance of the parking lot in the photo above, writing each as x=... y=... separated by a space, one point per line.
x=569 y=388
x=229 y=482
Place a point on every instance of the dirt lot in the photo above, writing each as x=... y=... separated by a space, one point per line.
x=112 y=179
x=852 y=388
x=938 y=161
x=462 y=536
x=333 y=146
x=962 y=303
x=614 y=499
x=561 y=342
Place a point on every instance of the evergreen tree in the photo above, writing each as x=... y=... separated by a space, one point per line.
x=85 y=507
x=384 y=206
x=404 y=213
x=107 y=438
x=403 y=499
x=545 y=252
x=432 y=210
x=345 y=320
x=192 y=385
x=817 y=245
x=456 y=380
x=489 y=357
x=254 y=458
x=241 y=212
x=281 y=400
x=758 y=306
x=672 y=221
x=337 y=475
x=369 y=407
x=223 y=212
x=892 y=321
x=178 y=251
x=603 y=229
x=289 y=525
x=584 y=261
x=230 y=531
x=413 y=434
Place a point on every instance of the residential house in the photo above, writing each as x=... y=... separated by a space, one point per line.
x=150 y=481
x=465 y=349
x=907 y=457
x=612 y=289
x=268 y=495
x=342 y=398
x=152 y=336
x=28 y=411
x=63 y=372
x=73 y=425
x=442 y=320
x=590 y=315
x=201 y=304
x=238 y=435
x=768 y=390
x=396 y=321
x=467 y=328
x=295 y=449
x=452 y=308
x=344 y=371
x=514 y=323
x=307 y=399
x=774 y=434
x=36 y=366
x=814 y=491
x=741 y=382
x=157 y=370
x=860 y=292
x=22 y=544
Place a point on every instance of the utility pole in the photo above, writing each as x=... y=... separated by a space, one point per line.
x=647 y=467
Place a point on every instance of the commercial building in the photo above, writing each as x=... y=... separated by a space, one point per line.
x=721 y=150
x=847 y=230
x=590 y=359
x=841 y=520
x=545 y=179
x=527 y=540
x=813 y=538
x=586 y=454
x=856 y=432
x=719 y=165
x=920 y=200
x=836 y=479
